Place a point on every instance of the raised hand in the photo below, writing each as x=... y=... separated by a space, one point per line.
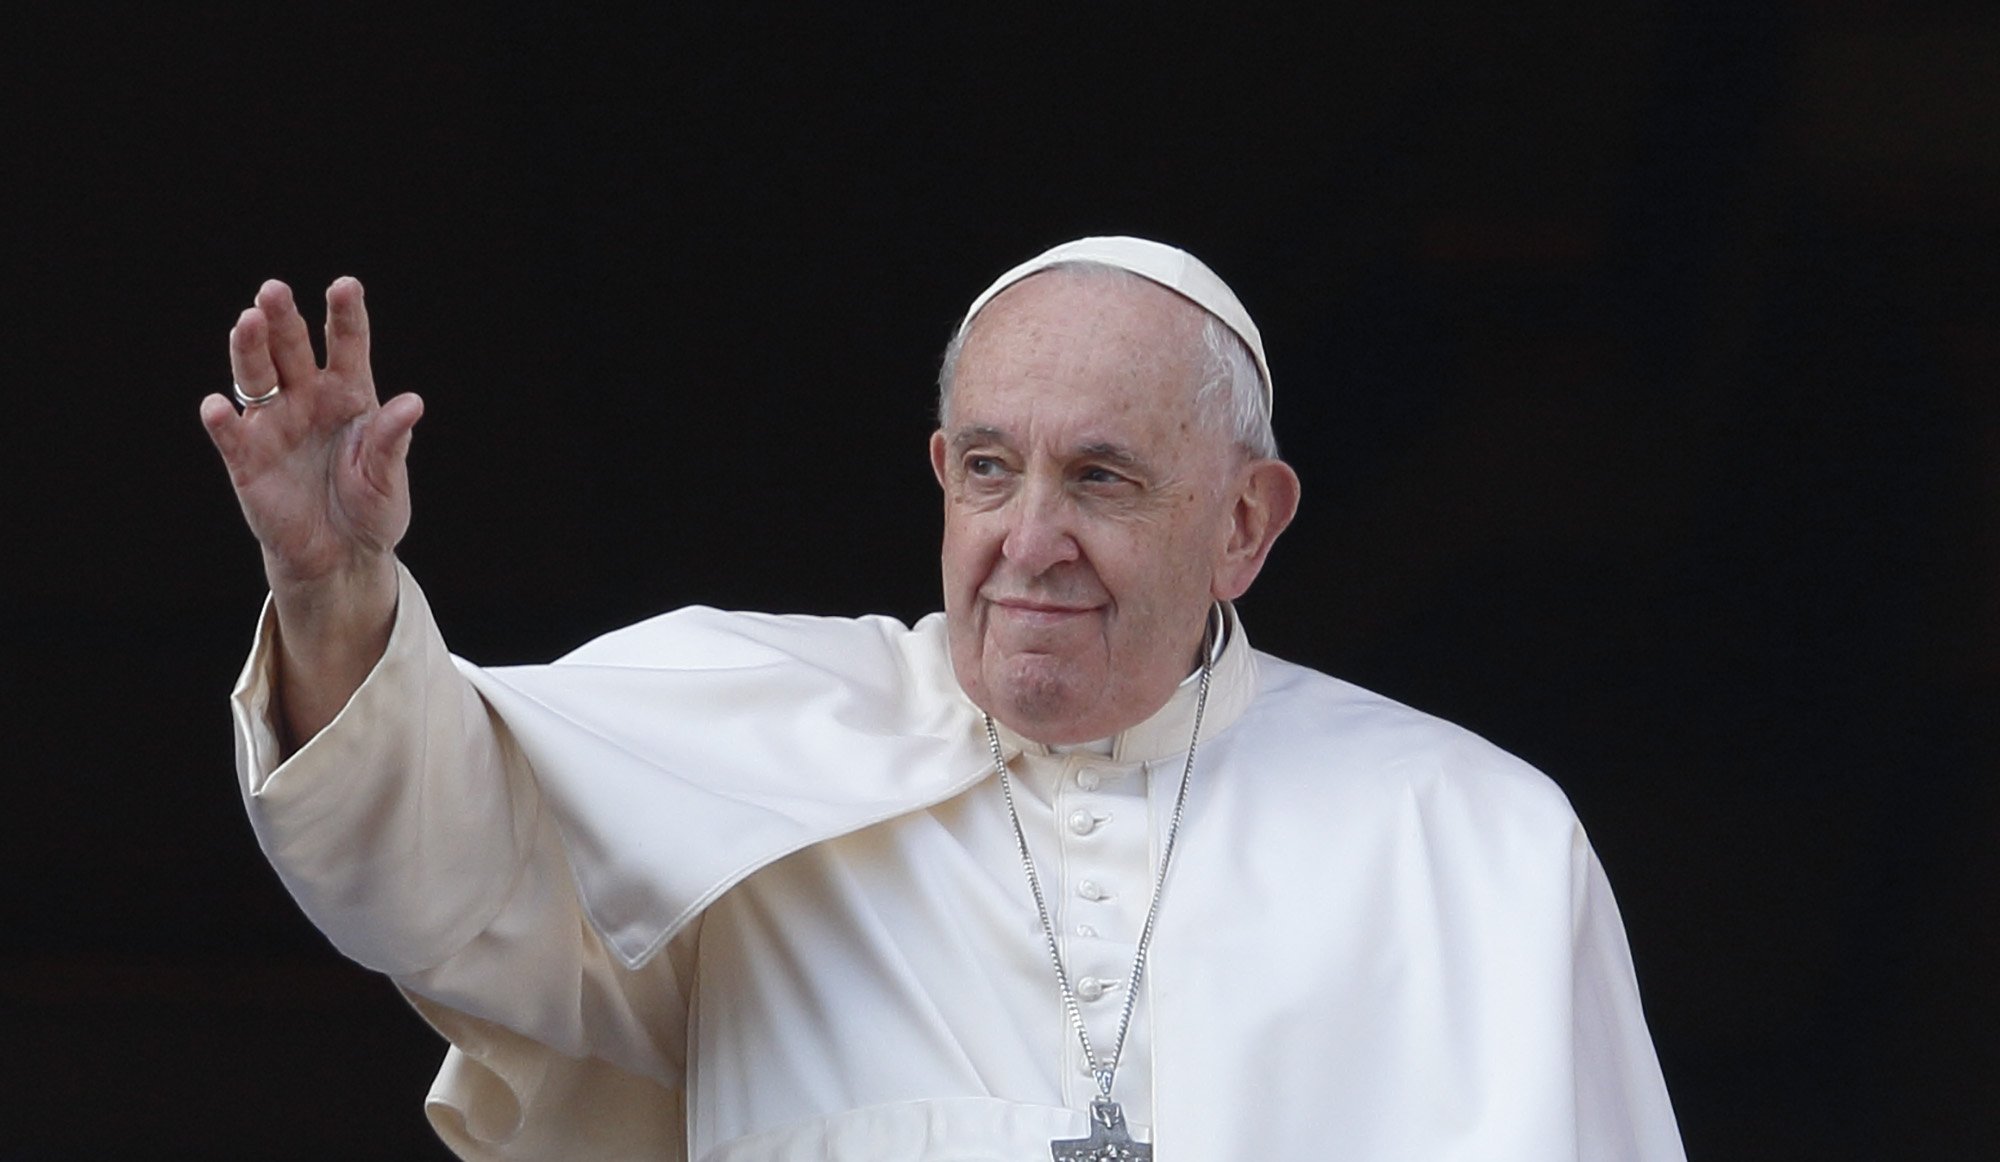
x=319 y=469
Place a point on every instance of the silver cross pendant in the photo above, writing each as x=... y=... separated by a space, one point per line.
x=1108 y=1142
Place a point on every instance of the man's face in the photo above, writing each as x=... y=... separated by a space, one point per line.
x=1088 y=505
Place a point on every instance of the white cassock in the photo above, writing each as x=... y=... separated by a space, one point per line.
x=739 y=887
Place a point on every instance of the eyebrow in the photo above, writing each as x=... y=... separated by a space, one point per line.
x=977 y=434
x=1116 y=454
x=1102 y=450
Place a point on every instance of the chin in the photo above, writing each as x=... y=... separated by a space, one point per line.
x=1046 y=700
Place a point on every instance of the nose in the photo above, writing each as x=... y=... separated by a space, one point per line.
x=1040 y=532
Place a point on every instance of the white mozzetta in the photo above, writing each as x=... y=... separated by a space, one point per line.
x=738 y=887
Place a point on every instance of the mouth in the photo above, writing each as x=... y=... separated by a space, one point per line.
x=1026 y=611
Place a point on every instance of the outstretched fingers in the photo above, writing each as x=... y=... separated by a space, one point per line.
x=318 y=466
x=271 y=354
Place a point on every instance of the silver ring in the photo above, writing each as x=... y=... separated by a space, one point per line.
x=255 y=401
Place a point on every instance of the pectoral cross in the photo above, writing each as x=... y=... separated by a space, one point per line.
x=1108 y=1141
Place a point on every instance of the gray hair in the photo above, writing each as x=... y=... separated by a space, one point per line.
x=1229 y=389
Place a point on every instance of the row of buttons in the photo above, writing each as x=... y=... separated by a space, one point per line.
x=1082 y=822
x=1102 y=823
x=1096 y=893
x=1105 y=859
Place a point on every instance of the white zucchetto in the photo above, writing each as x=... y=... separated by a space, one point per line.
x=1169 y=266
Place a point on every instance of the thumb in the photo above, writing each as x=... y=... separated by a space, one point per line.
x=385 y=443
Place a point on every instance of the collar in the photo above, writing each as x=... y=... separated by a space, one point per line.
x=1231 y=687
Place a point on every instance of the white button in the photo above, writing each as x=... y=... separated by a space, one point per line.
x=1090 y=778
x=1089 y=989
x=1082 y=822
x=1092 y=890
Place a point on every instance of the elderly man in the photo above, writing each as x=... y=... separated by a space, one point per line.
x=1068 y=871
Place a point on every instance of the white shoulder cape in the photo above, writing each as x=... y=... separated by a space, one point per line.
x=1409 y=937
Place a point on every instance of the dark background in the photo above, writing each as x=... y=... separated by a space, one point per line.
x=1639 y=360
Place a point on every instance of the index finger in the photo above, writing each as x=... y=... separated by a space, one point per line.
x=346 y=328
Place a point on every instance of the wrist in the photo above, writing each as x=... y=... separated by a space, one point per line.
x=338 y=617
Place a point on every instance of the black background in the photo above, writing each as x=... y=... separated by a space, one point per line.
x=1639 y=360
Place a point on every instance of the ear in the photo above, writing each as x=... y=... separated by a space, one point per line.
x=1267 y=497
x=937 y=456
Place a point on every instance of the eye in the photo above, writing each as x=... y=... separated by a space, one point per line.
x=982 y=466
x=1098 y=475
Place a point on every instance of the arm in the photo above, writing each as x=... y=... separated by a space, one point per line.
x=412 y=832
x=390 y=799
x=320 y=474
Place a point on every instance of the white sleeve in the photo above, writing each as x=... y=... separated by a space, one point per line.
x=411 y=831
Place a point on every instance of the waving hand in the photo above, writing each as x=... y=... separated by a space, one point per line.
x=319 y=469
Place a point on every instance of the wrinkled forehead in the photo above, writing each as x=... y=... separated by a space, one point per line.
x=1169 y=266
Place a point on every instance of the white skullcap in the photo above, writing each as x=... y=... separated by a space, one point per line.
x=1170 y=266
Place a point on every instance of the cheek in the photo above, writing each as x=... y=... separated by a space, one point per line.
x=965 y=553
x=1172 y=568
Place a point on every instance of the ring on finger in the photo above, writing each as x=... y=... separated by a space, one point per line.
x=255 y=401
